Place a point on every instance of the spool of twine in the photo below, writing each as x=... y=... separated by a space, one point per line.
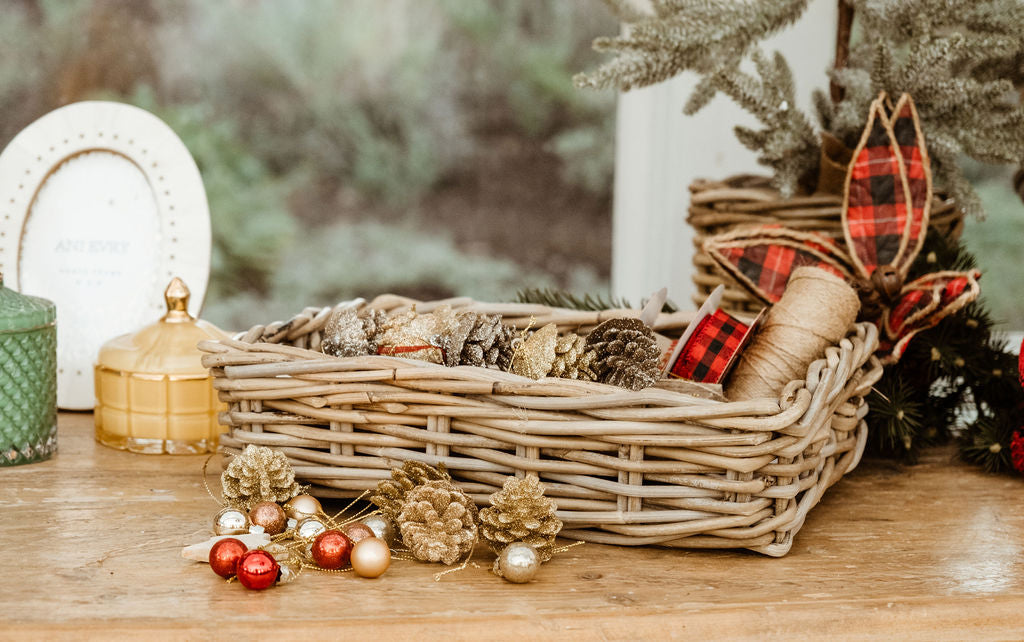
x=815 y=311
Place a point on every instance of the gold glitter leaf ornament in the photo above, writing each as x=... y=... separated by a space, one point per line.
x=520 y=512
x=536 y=356
x=258 y=474
x=438 y=522
x=412 y=336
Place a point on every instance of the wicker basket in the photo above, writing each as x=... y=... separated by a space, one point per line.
x=720 y=206
x=631 y=468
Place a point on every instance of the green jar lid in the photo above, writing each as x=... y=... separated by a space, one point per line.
x=22 y=312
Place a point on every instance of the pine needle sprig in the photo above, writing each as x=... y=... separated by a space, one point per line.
x=590 y=302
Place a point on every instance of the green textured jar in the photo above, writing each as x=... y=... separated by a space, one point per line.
x=28 y=378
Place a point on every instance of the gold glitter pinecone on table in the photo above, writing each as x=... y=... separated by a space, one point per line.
x=627 y=355
x=391 y=493
x=258 y=474
x=520 y=512
x=353 y=333
x=438 y=522
x=573 y=359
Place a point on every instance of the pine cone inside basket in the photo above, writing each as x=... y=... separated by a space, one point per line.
x=573 y=359
x=352 y=333
x=489 y=343
x=520 y=512
x=627 y=355
x=391 y=493
x=438 y=522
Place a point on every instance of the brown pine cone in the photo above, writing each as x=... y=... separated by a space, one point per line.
x=489 y=344
x=391 y=493
x=521 y=513
x=627 y=355
x=438 y=522
x=573 y=360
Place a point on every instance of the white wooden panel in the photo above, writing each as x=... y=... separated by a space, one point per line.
x=659 y=151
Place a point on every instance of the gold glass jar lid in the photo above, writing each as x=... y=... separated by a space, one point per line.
x=153 y=394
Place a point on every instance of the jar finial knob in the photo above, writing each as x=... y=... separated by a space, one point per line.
x=176 y=295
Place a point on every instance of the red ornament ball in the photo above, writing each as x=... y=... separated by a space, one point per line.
x=257 y=570
x=331 y=549
x=224 y=556
x=1017 y=451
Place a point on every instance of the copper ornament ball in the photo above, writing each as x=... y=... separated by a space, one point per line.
x=331 y=549
x=270 y=516
x=257 y=570
x=370 y=557
x=302 y=506
x=357 y=531
x=224 y=556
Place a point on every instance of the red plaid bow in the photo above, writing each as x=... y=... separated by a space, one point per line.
x=886 y=203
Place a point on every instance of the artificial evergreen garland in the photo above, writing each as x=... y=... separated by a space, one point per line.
x=959 y=59
x=956 y=380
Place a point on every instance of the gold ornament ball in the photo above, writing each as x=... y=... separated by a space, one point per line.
x=230 y=521
x=381 y=527
x=518 y=563
x=270 y=516
x=370 y=557
x=309 y=528
x=302 y=506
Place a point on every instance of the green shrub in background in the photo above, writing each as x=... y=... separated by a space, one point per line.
x=361 y=92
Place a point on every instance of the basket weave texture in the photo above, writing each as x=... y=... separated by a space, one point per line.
x=722 y=206
x=654 y=467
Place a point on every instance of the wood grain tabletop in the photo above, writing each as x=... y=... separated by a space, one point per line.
x=91 y=547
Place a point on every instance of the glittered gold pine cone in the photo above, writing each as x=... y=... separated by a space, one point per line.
x=489 y=343
x=438 y=522
x=573 y=359
x=520 y=512
x=536 y=356
x=352 y=333
x=258 y=474
x=627 y=355
x=391 y=493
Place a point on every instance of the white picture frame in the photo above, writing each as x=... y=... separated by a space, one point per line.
x=101 y=204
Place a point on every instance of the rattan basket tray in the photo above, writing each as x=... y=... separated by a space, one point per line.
x=654 y=467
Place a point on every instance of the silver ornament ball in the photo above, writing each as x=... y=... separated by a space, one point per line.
x=381 y=527
x=230 y=521
x=518 y=563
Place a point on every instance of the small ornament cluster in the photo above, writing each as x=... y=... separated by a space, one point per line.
x=621 y=352
x=269 y=532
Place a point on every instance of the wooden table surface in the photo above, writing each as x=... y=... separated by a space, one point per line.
x=91 y=544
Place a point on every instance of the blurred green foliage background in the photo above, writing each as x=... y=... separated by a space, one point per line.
x=354 y=147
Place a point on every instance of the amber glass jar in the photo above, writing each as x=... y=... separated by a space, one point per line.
x=153 y=394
